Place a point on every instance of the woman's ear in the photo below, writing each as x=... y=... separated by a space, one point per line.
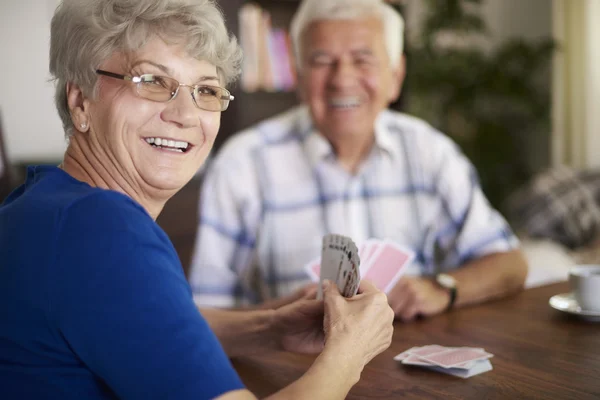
x=398 y=75
x=78 y=106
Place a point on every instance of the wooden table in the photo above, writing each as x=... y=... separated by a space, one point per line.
x=540 y=353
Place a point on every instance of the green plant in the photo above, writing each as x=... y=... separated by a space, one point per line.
x=491 y=101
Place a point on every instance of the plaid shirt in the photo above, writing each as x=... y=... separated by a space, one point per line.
x=276 y=189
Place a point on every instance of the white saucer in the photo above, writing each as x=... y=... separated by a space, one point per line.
x=566 y=302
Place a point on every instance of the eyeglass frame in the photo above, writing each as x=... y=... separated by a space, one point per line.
x=138 y=79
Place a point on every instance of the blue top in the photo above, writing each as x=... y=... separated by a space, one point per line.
x=94 y=303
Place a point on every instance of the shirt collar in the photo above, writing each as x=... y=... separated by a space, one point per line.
x=384 y=139
x=317 y=148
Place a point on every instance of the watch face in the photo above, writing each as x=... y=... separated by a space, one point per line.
x=446 y=281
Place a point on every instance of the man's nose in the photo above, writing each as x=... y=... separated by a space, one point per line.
x=344 y=74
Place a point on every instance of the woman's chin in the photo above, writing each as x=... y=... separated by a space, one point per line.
x=169 y=181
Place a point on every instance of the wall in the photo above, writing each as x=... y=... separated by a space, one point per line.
x=31 y=125
x=592 y=79
x=576 y=84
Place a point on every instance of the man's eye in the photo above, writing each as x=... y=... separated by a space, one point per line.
x=362 y=61
x=321 y=61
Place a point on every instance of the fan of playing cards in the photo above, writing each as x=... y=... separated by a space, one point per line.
x=340 y=261
x=382 y=262
x=463 y=362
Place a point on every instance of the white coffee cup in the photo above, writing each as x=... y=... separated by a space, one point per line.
x=585 y=283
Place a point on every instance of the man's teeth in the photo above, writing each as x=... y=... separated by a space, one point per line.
x=166 y=144
x=345 y=102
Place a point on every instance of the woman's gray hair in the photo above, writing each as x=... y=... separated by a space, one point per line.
x=316 y=10
x=85 y=33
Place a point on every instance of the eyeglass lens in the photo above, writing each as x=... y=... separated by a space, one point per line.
x=162 y=88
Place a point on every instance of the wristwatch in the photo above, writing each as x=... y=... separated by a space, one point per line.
x=449 y=283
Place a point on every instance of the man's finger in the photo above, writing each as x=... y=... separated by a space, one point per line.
x=409 y=313
x=398 y=288
x=401 y=301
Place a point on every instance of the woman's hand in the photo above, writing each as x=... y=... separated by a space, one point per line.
x=300 y=326
x=349 y=331
x=360 y=326
x=306 y=292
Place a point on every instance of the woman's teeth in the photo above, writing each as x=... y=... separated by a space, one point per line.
x=173 y=145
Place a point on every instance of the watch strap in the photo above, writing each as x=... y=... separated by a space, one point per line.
x=452 y=292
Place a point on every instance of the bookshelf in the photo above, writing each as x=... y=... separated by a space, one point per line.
x=249 y=108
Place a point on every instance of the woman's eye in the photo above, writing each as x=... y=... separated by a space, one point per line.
x=156 y=81
x=207 y=91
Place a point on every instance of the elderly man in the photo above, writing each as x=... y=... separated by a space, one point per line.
x=343 y=163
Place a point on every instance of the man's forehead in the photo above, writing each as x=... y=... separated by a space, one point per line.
x=346 y=35
x=365 y=23
x=331 y=30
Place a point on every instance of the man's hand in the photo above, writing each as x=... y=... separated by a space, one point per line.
x=413 y=296
x=300 y=326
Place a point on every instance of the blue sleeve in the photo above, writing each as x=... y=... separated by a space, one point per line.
x=121 y=301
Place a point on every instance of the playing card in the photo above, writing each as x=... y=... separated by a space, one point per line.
x=382 y=262
x=479 y=367
x=313 y=269
x=405 y=354
x=368 y=248
x=351 y=280
x=427 y=350
x=468 y=361
x=466 y=365
x=339 y=264
x=414 y=355
x=416 y=360
x=351 y=275
x=453 y=357
x=387 y=265
x=361 y=250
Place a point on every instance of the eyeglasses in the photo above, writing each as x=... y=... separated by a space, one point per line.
x=164 y=89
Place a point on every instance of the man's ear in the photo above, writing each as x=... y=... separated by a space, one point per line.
x=398 y=75
x=78 y=107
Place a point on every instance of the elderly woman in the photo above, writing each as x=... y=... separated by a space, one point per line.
x=93 y=300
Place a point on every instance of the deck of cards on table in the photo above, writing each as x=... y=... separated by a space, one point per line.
x=463 y=362
x=382 y=262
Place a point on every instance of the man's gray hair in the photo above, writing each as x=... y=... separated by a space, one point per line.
x=316 y=10
x=85 y=33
